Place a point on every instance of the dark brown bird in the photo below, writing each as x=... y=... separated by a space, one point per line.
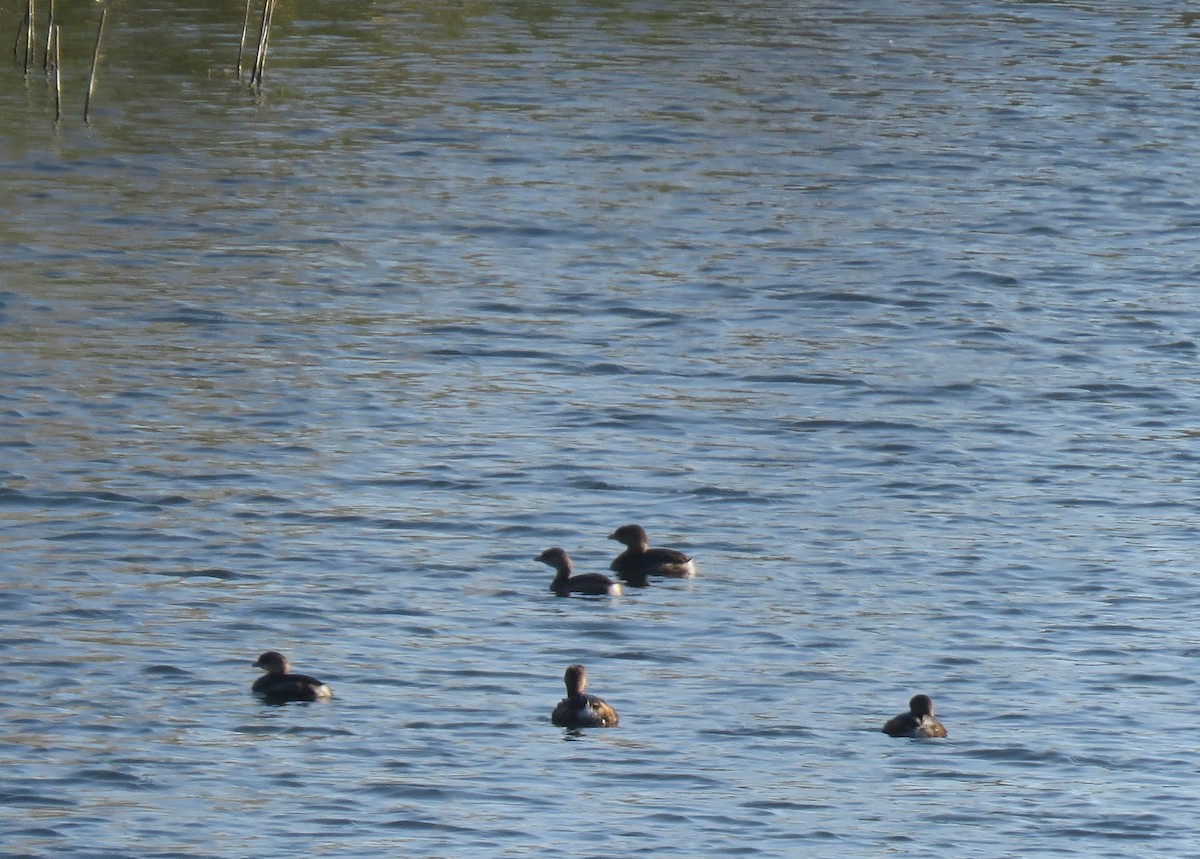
x=279 y=685
x=639 y=561
x=565 y=584
x=578 y=709
x=919 y=721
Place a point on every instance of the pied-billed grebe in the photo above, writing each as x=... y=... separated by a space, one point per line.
x=639 y=560
x=564 y=584
x=579 y=709
x=919 y=721
x=279 y=685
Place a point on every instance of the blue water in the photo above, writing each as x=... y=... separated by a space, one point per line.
x=885 y=313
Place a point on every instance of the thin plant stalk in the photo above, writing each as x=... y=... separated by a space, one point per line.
x=20 y=32
x=50 y=25
x=29 y=34
x=87 y=103
x=242 y=43
x=262 y=64
x=56 y=30
x=264 y=37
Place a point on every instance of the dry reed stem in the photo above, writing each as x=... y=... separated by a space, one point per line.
x=57 y=31
x=87 y=103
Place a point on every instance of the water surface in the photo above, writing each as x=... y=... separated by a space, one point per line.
x=885 y=313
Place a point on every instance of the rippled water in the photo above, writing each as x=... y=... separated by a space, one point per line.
x=885 y=313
